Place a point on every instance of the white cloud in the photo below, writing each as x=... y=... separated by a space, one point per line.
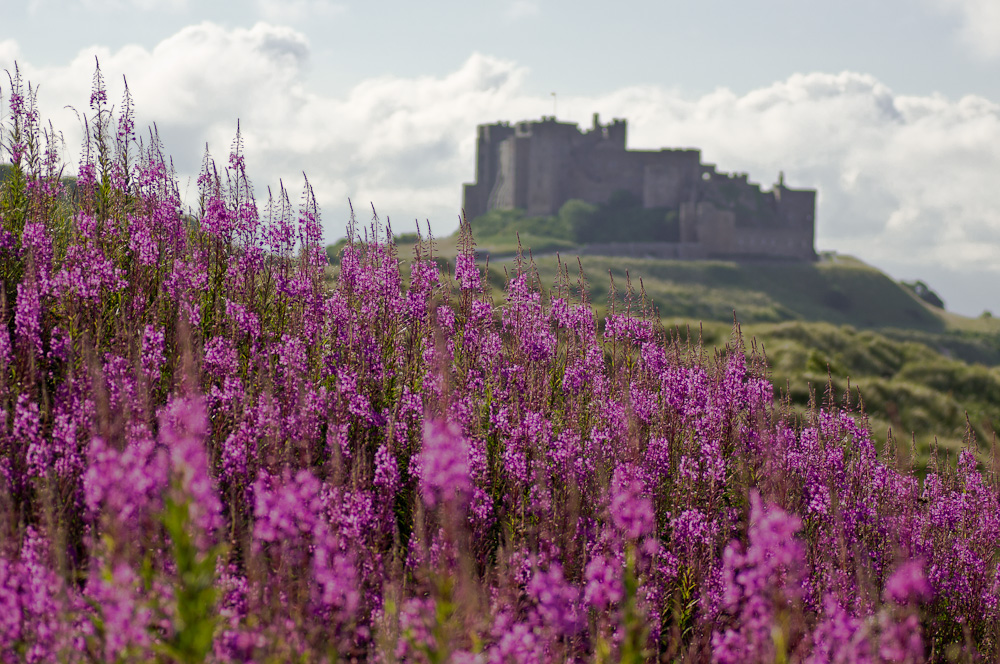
x=898 y=176
x=980 y=24
x=9 y=51
x=522 y=9
x=906 y=181
x=295 y=11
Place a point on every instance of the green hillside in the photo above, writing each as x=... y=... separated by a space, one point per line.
x=922 y=372
x=838 y=289
x=922 y=395
x=834 y=327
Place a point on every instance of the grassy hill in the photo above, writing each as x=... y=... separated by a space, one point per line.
x=925 y=397
x=837 y=327
x=922 y=373
x=839 y=290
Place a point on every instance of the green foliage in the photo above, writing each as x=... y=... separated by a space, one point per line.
x=406 y=238
x=964 y=381
x=621 y=219
x=577 y=214
x=508 y=223
x=633 y=645
x=971 y=346
x=907 y=386
x=194 y=614
x=924 y=292
x=333 y=250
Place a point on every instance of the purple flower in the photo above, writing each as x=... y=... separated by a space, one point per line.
x=220 y=356
x=604 y=582
x=908 y=584
x=557 y=602
x=125 y=615
x=5 y=347
x=183 y=431
x=28 y=433
x=286 y=513
x=246 y=320
x=153 y=358
x=338 y=589
x=60 y=345
x=218 y=220
x=86 y=271
x=518 y=644
x=416 y=632
x=28 y=318
x=444 y=465
x=759 y=582
x=693 y=531
x=386 y=470
x=631 y=509
x=466 y=272
x=423 y=278
x=628 y=328
x=126 y=485
x=840 y=637
x=901 y=641
x=32 y=604
x=142 y=240
x=36 y=241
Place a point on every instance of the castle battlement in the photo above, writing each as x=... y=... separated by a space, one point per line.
x=538 y=165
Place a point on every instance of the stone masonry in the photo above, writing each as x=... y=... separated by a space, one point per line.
x=538 y=165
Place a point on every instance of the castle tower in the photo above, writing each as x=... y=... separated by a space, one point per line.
x=488 y=140
x=538 y=165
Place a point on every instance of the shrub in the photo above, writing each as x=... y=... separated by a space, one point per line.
x=924 y=292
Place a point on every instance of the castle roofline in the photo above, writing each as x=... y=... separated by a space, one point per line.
x=554 y=120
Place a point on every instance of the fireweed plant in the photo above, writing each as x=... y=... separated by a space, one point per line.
x=210 y=451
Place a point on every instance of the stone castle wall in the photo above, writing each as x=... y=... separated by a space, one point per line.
x=539 y=165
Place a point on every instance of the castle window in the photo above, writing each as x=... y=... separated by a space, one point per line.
x=706 y=176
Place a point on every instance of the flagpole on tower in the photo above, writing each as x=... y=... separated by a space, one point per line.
x=554 y=105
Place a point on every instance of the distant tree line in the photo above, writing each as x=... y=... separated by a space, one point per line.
x=924 y=292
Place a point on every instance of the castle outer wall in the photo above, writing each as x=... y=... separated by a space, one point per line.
x=537 y=166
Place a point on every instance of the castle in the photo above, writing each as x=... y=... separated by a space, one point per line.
x=537 y=166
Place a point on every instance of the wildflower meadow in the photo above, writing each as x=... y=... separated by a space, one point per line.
x=217 y=448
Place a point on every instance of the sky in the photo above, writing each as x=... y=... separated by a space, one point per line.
x=890 y=109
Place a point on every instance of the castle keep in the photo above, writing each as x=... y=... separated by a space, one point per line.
x=539 y=165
